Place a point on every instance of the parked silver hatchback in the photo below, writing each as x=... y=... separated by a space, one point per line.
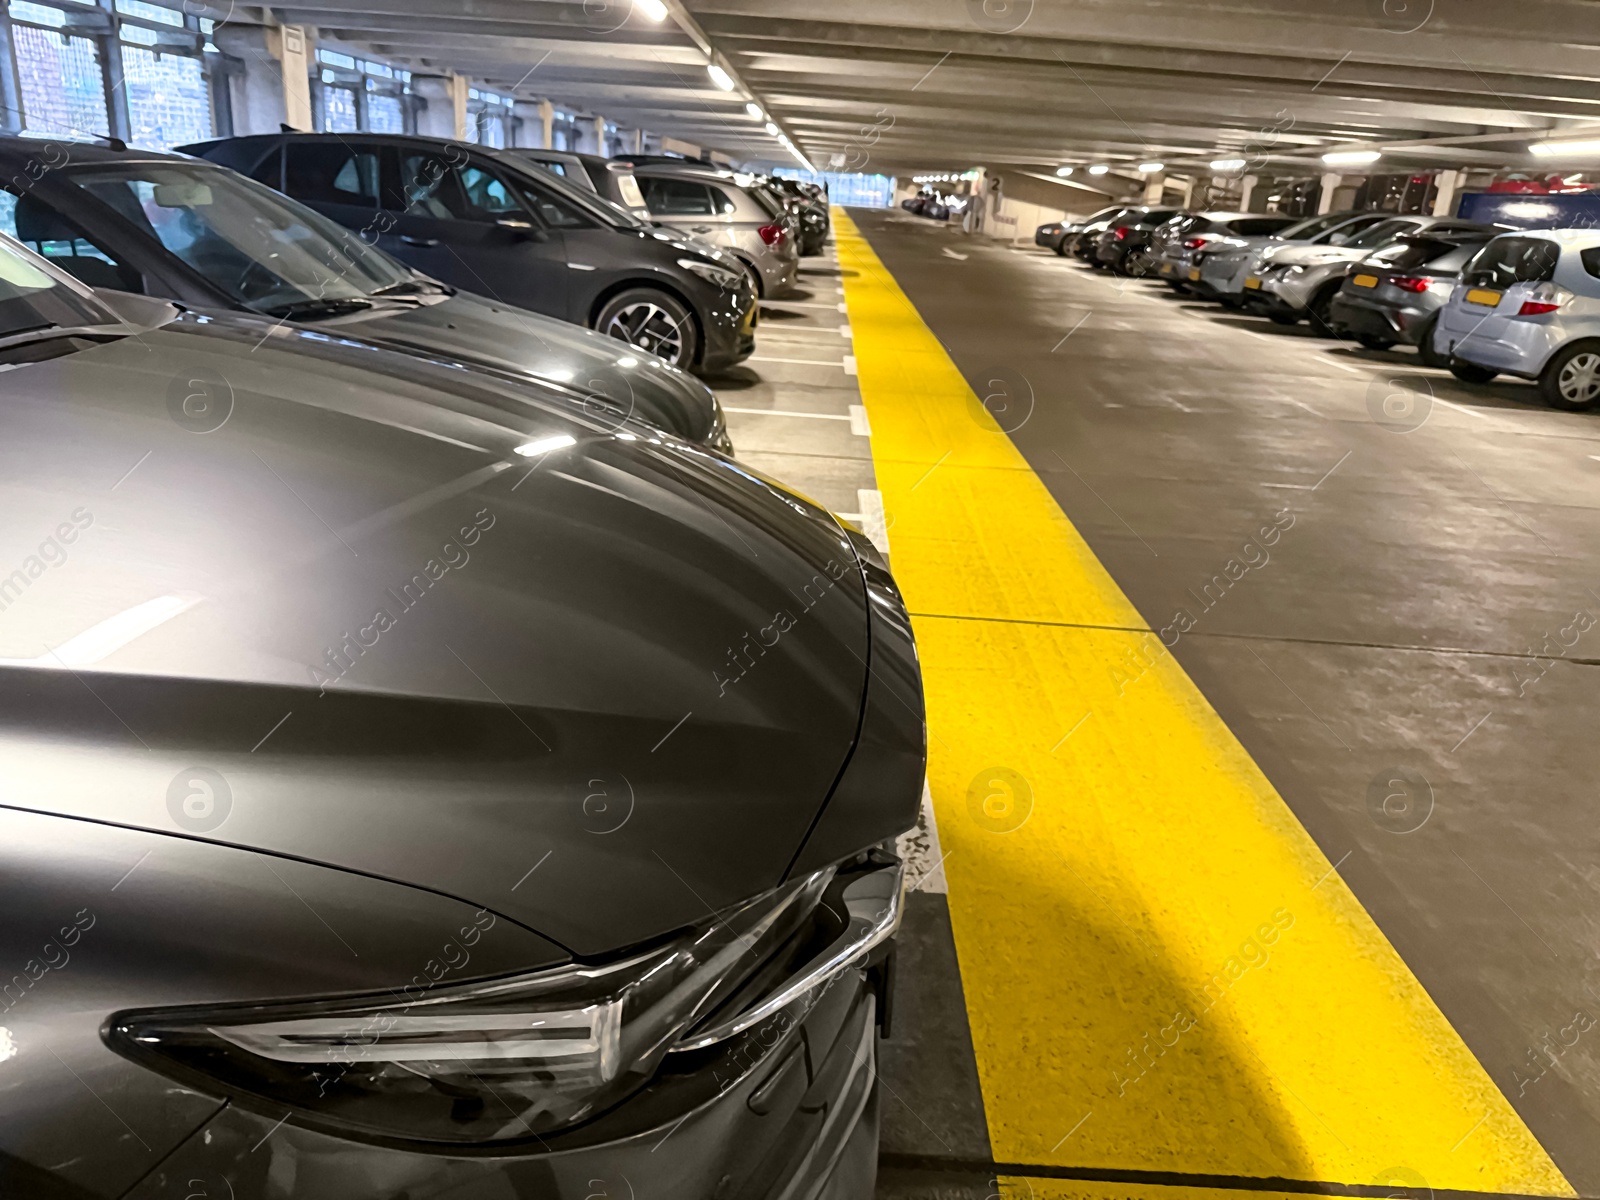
x=717 y=207
x=1528 y=305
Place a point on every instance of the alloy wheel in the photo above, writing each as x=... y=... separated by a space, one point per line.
x=649 y=327
x=1579 y=381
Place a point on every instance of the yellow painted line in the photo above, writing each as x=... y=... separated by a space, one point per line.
x=1162 y=972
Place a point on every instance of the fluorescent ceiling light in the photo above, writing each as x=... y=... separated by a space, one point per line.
x=1150 y=168
x=754 y=110
x=720 y=77
x=546 y=444
x=1226 y=164
x=1063 y=171
x=653 y=9
x=1351 y=157
x=772 y=129
x=1099 y=169
x=1576 y=146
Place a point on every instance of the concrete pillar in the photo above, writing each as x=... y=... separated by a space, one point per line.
x=1444 y=202
x=1153 y=187
x=274 y=88
x=1188 y=192
x=528 y=124
x=638 y=141
x=1325 y=201
x=547 y=117
x=600 y=136
x=1247 y=188
x=444 y=114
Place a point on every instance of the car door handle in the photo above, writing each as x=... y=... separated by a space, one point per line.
x=700 y=229
x=412 y=239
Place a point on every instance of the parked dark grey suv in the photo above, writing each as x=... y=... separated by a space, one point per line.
x=415 y=789
x=491 y=222
x=198 y=233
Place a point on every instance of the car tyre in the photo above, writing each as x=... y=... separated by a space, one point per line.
x=1571 y=380
x=1320 y=311
x=1373 y=342
x=1061 y=248
x=1425 y=351
x=1471 y=372
x=654 y=321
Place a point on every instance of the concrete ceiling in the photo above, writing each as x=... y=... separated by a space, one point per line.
x=924 y=85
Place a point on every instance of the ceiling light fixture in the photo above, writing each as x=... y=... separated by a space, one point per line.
x=1150 y=168
x=772 y=129
x=754 y=110
x=720 y=77
x=1571 y=146
x=1099 y=169
x=1227 y=164
x=1063 y=171
x=1339 y=158
x=653 y=9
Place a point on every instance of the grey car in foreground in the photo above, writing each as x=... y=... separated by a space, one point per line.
x=414 y=789
x=190 y=231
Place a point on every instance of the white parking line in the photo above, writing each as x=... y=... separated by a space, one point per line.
x=789 y=412
x=794 y=304
x=859 y=425
x=846 y=331
x=873 y=522
x=807 y=362
x=849 y=364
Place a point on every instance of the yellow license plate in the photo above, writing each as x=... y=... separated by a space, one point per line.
x=1166 y=268
x=1365 y=281
x=1252 y=283
x=1194 y=272
x=1484 y=296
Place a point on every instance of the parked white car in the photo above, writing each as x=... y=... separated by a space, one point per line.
x=1528 y=304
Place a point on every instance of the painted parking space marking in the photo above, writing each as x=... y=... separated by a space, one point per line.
x=1145 y=931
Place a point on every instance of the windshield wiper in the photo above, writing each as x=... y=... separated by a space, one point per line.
x=414 y=287
x=49 y=333
x=318 y=307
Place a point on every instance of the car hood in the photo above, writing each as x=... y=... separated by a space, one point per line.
x=1308 y=255
x=470 y=329
x=279 y=590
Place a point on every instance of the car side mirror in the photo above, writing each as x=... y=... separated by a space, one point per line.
x=522 y=231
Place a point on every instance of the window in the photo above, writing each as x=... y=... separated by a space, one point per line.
x=45 y=231
x=554 y=210
x=269 y=170
x=1591 y=260
x=62 y=82
x=357 y=95
x=488 y=198
x=1345 y=234
x=169 y=103
x=721 y=203
x=430 y=187
x=385 y=114
x=339 y=112
x=676 y=197
x=332 y=173
x=1509 y=260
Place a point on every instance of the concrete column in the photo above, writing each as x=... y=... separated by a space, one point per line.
x=1188 y=192
x=1153 y=186
x=1247 y=188
x=1444 y=202
x=638 y=141
x=1330 y=183
x=600 y=136
x=274 y=89
x=547 y=117
x=529 y=124
x=444 y=114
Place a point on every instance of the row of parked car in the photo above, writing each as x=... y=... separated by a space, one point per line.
x=1478 y=299
x=374 y=751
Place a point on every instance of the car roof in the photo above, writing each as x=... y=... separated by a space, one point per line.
x=30 y=148
x=1572 y=239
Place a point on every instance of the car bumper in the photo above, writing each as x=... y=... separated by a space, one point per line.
x=1502 y=344
x=730 y=331
x=1403 y=323
x=800 y=1118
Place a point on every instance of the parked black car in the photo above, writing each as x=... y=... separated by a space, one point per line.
x=1394 y=295
x=489 y=221
x=1124 y=244
x=1083 y=244
x=1058 y=235
x=609 y=178
x=386 y=811
x=191 y=231
x=812 y=209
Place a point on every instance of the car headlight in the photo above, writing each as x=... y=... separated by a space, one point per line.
x=506 y=1058
x=717 y=276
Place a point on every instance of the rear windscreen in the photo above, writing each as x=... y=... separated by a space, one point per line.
x=1509 y=260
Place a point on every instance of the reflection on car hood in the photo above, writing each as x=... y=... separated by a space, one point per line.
x=1307 y=255
x=474 y=330
x=600 y=690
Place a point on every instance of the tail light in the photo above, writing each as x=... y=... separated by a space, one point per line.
x=1120 y=233
x=1408 y=283
x=1193 y=243
x=772 y=235
x=1545 y=298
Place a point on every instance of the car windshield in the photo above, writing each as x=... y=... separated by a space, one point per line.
x=32 y=298
x=579 y=197
x=260 y=247
x=1380 y=234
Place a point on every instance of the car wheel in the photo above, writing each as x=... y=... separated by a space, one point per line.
x=1425 y=351
x=1373 y=342
x=1571 y=380
x=653 y=321
x=1471 y=372
x=1230 y=302
x=1061 y=249
x=1320 y=311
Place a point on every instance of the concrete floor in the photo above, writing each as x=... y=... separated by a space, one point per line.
x=1408 y=625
